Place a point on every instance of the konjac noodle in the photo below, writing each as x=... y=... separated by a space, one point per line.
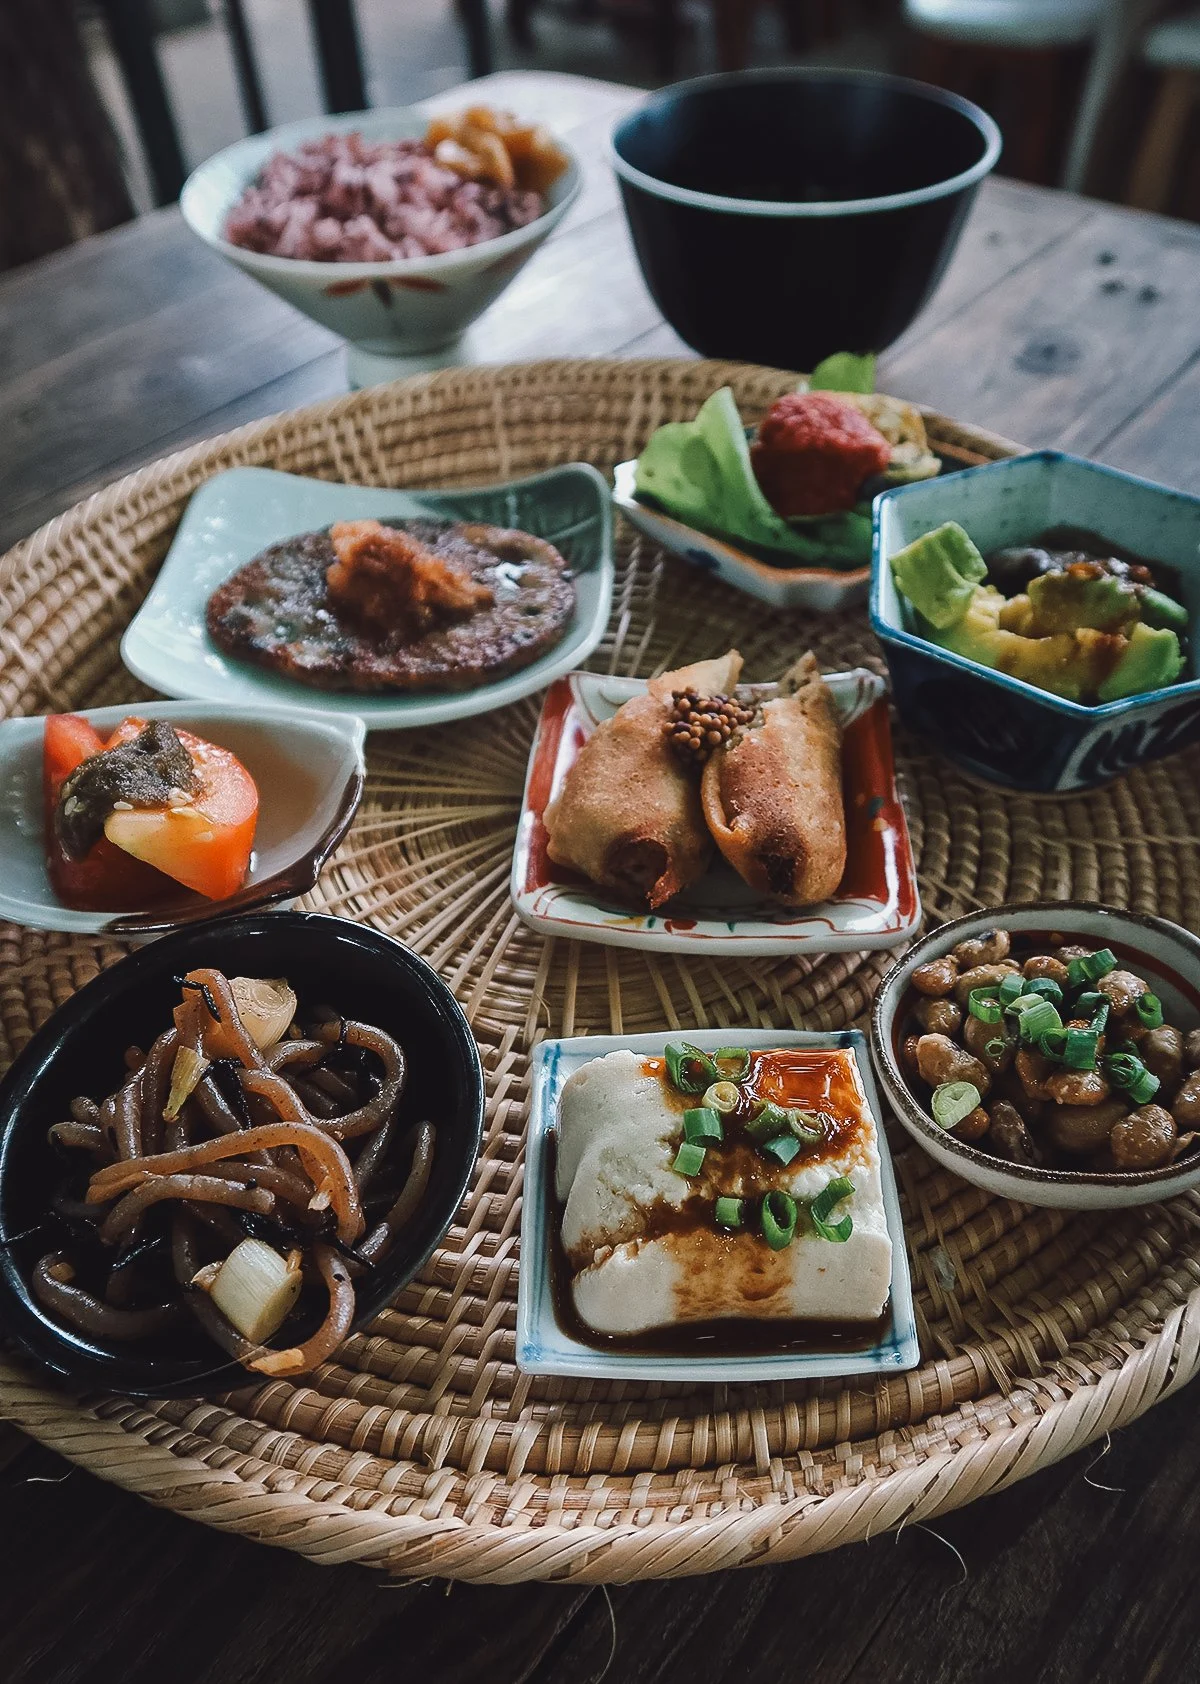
x=249 y=1152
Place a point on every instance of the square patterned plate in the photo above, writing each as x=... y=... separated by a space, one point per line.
x=543 y=1347
x=876 y=904
x=238 y=513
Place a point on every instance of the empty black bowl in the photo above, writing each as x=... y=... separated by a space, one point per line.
x=359 y=972
x=779 y=215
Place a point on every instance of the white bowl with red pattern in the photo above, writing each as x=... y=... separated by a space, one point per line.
x=388 y=312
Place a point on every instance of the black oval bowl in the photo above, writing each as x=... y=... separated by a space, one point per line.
x=780 y=215
x=357 y=970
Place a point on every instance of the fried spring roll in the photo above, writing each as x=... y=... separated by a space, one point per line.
x=628 y=815
x=773 y=797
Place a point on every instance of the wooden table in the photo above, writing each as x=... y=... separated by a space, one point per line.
x=1061 y=322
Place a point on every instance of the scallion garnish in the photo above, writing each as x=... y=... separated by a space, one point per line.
x=1035 y=1016
x=1100 y=1016
x=952 y=1101
x=728 y=1055
x=702 y=1124
x=730 y=1212
x=984 y=1004
x=1127 y=1072
x=690 y=1070
x=1089 y=1001
x=1150 y=1012
x=807 y=1126
x=689 y=1160
x=778 y=1218
x=1090 y=967
x=783 y=1148
x=1047 y=988
x=1053 y=1044
x=1011 y=988
x=768 y=1121
x=1079 y=1049
x=722 y=1097
x=995 y=1048
x=832 y=1194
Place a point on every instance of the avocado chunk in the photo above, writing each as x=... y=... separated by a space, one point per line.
x=938 y=573
x=1151 y=661
x=1070 y=600
x=1159 y=609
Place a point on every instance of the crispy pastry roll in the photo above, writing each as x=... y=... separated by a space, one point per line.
x=628 y=815
x=773 y=796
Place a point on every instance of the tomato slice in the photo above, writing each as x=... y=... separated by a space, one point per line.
x=146 y=852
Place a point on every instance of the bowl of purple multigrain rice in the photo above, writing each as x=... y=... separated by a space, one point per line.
x=392 y=229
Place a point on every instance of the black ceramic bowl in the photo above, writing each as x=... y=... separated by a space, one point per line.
x=779 y=215
x=356 y=970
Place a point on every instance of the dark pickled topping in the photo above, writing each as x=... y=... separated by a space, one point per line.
x=143 y=773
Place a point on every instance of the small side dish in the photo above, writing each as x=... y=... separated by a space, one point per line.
x=1069 y=612
x=243 y=1173
x=699 y=1189
x=345 y=198
x=693 y=762
x=130 y=816
x=370 y=605
x=1052 y=1053
x=798 y=491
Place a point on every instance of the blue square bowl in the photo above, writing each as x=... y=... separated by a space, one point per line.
x=1001 y=728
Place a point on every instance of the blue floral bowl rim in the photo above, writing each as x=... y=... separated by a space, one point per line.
x=888 y=633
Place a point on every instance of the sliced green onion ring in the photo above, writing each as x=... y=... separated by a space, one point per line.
x=1149 y=1011
x=689 y=1069
x=778 y=1219
x=1011 y=988
x=807 y=1126
x=984 y=1004
x=1079 y=1050
x=702 y=1123
x=1035 y=1017
x=1127 y=1072
x=1090 y=967
x=996 y=1048
x=768 y=1121
x=1053 y=1044
x=730 y=1212
x=822 y=1206
x=1047 y=988
x=1090 y=1001
x=722 y=1097
x=1100 y=1016
x=953 y=1101
x=783 y=1148
x=689 y=1160
x=726 y=1055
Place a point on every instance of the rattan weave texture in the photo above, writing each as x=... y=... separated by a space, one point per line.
x=422 y=1449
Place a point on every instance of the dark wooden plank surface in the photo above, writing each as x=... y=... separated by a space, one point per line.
x=1060 y=321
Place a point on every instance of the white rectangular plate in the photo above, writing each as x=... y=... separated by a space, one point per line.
x=543 y=1347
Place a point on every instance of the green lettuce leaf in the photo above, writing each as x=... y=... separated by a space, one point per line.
x=844 y=372
x=699 y=471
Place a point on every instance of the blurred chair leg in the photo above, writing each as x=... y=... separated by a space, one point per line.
x=249 y=86
x=474 y=18
x=339 y=56
x=731 y=20
x=1154 y=166
x=518 y=15
x=132 y=37
x=665 y=32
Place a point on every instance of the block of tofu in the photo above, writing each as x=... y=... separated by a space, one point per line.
x=641 y=1240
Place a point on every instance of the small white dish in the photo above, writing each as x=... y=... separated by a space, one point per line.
x=243 y=510
x=1167 y=956
x=543 y=1347
x=876 y=905
x=389 y=312
x=821 y=589
x=309 y=771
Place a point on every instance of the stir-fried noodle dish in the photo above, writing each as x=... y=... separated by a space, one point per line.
x=250 y=1153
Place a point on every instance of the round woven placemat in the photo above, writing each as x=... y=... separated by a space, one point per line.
x=421 y=1449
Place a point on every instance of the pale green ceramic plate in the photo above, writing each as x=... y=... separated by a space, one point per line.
x=238 y=513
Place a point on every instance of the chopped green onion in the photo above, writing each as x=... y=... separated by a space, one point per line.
x=984 y=1004
x=783 y=1148
x=778 y=1218
x=690 y=1070
x=1053 y=1044
x=768 y=1121
x=1011 y=988
x=689 y=1160
x=1150 y=1012
x=1079 y=1051
x=1090 y=967
x=726 y=1055
x=1100 y=1016
x=1047 y=988
x=731 y=1213
x=1090 y=1001
x=807 y=1126
x=953 y=1101
x=1036 y=1016
x=702 y=1123
x=1127 y=1072
x=723 y=1097
x=833 y=1194
x=996 y=1048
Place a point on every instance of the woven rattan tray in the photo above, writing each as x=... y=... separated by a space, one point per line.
x=422 y=1450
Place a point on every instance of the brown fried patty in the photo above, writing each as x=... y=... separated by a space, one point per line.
x=277 y=612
